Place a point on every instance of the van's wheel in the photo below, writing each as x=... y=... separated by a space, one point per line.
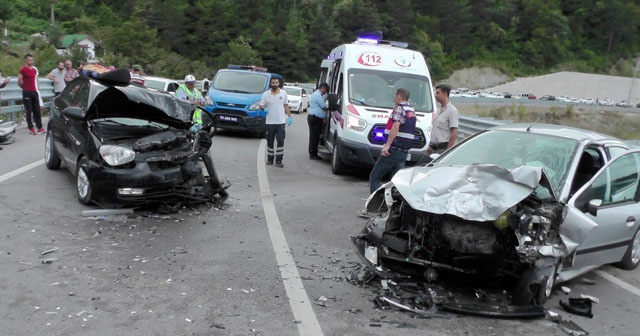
x=631 y=258
x=85 y=192
x=536 y=284
x=51 y=158
x=337 y=165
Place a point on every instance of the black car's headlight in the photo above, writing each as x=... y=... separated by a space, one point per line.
x=116 y=155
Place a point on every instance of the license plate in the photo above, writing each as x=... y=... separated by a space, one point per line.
x=228 y=118
x=408 y=157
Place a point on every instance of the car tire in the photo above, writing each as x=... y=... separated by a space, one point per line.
x=631 y=258
x=83 y=183
x=337 y=165
x=51 y=157
x=536 y=284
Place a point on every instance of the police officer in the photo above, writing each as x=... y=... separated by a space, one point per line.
x=187 y=91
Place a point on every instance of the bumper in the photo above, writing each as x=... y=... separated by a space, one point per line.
x=357 y=154
x=151 y=184
x=295 y=108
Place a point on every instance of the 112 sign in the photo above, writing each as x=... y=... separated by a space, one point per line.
x=370 y=59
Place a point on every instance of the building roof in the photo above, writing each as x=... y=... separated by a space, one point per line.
x=67 y=41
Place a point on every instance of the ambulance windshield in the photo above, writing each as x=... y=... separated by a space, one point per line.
x=377 y=89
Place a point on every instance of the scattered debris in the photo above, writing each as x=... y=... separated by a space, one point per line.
x=49 y=260
x=592 y=298
x=578 y=306
x=106 y=212
x=572 y=328
x=50 y=251
x=565 y=290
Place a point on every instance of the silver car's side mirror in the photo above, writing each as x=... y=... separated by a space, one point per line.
x=593 y=206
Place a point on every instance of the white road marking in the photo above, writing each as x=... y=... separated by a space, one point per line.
x=618 y=282
x=298 y=298
x=20 y=170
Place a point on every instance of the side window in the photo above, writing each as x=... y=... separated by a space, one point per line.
x=619 y=182
x=615 y=151
x=69 y=94
x=81 y=98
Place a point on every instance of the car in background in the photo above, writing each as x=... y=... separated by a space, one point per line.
x=162 y=84
x=548 y=97
x=587 y=100
x=129 y=145
x=623 y=103
x=507 y=94
x=552 y=204
x=606 y=102
x=298 y=98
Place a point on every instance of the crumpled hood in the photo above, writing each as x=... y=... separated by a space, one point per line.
x=137 y=102
x=474 y=192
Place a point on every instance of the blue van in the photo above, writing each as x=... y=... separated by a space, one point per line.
x=234 y=95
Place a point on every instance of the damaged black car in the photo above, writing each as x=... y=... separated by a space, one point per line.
x=129 y=145
x=523 y=207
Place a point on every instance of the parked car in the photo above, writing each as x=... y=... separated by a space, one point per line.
x=606 y=102
x=587 y=100
x=506 y=94
x=129 y=145
x=553 y=203
x=548 y=97
x=623 y=103
x=162 y=84
x=298 y=98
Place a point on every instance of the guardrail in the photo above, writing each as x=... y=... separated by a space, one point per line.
x=11 y=97
x=470 y=124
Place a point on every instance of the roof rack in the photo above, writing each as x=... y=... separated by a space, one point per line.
x=247 y=67
x=369 y=40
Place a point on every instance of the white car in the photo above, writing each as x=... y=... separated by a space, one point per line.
x=298 y=99
x=162 y=84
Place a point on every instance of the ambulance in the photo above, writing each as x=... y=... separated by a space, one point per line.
x=363 y=77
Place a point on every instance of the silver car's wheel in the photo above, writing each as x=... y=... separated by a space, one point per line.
x=631 y=258
x=83 y=182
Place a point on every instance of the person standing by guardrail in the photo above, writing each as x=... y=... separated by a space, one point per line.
x=57 y=76
x=28 y=81
x=4 y=82
x=69 y=72
x=445 y=123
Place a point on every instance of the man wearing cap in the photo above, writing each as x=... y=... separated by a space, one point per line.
x=188 y=91
x=445 y=123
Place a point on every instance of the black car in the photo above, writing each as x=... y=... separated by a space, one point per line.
x=129 y=145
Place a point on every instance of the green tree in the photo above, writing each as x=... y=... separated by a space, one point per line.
x=239 y=51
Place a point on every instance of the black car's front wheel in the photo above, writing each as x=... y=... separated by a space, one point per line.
x=51 y=158
x=83 y=183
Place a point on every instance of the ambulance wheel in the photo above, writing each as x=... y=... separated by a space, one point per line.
x=337 y=165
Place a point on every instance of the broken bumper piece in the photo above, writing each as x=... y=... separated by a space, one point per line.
x=495 y=311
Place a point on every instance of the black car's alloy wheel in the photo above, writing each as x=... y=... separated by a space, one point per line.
x=51 y=158
x=83 y=183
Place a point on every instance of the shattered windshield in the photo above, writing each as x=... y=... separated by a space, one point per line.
x=378 y=88
x=240 y=81
x=510 y=149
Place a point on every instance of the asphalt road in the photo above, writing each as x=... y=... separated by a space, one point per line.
x=255 y=265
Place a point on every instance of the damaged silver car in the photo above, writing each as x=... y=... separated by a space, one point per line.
x=526 y=206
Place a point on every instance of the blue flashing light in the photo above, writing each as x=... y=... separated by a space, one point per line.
x=379 y=135
x=367 y=40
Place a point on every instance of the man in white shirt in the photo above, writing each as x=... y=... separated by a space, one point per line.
x=276 y=101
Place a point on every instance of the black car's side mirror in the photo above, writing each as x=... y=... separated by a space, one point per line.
x=73 y=112
x=332 y=99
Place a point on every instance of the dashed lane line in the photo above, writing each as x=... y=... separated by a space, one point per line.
x=21 y=170
x=298 y=298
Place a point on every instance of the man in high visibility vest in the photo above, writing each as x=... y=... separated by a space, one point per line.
x=187 y=91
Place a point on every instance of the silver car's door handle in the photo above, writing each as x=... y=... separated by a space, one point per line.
x=631 y=221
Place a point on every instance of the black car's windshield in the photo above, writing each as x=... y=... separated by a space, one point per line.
x=510 y=149
x=240 y=81
x=378 y=88
x=130 y=122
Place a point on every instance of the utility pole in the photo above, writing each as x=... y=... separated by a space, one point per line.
x=52 y=15
x=633 y=80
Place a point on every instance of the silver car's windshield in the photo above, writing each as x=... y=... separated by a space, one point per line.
x=241 y=81
x=510 y=149
x=378 y=88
